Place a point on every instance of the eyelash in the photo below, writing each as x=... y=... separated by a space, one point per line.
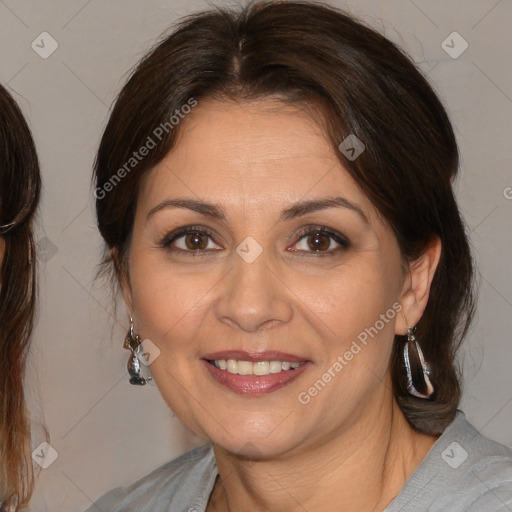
x=190 y=230
x=343 y=242
x=340 y=239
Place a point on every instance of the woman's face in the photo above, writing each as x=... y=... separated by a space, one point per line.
x=266 y=272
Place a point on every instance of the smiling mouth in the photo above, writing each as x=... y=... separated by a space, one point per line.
x=257 y=368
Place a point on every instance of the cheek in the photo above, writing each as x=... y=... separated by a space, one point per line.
x=167 y=308
x=165 y=300
x=356 y=308
x=350 y=299
x=355 y=313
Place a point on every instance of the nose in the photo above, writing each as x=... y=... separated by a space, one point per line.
x=253 y=296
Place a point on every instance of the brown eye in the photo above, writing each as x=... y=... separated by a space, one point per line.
x=190 y=240
x=321 y=241
x=318 y=242
x=195 y=241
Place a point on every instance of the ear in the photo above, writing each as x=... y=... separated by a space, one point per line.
x=416 y=287
x=123 y=279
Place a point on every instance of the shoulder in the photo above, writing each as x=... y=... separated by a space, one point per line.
x=180 y=484
x=480 y=468
x=464 y=471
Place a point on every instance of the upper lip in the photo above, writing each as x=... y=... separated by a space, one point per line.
x=243 y=355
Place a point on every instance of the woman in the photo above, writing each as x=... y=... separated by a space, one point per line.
x=274 y=188
x=19 y=195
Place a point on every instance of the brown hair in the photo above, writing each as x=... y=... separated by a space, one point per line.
x=19 y=194
x=314 y=55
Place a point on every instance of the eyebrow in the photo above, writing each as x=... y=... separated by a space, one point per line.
x=297 y=210
x=208 y=209
x=305 y=207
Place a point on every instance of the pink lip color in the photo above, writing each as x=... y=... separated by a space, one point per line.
x=254 y=384
x=243 y=355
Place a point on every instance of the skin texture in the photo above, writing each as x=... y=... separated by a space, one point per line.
x=255 y=159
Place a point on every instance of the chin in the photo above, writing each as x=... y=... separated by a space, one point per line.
x=257 y=444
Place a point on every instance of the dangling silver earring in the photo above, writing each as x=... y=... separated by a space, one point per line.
x=139 y=374
x=424 y=366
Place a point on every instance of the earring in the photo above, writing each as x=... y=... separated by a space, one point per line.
x=7 y=227
x=429 y=388
x=139 y=374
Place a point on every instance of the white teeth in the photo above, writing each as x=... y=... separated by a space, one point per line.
x=275 y=366
x=244 y=368
x=261 y=368
x=232 y=366
x=256 y=368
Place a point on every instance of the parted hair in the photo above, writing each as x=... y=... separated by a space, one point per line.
x=359 y=83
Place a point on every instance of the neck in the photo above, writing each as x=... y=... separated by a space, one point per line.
x=364 y=469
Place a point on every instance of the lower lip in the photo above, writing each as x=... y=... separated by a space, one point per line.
x=255 y=384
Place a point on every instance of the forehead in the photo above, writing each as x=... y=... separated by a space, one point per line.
x=266 y=151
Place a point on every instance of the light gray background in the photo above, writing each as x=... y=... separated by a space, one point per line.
x=108 y=433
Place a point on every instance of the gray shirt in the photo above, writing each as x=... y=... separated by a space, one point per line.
x=463 y=471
